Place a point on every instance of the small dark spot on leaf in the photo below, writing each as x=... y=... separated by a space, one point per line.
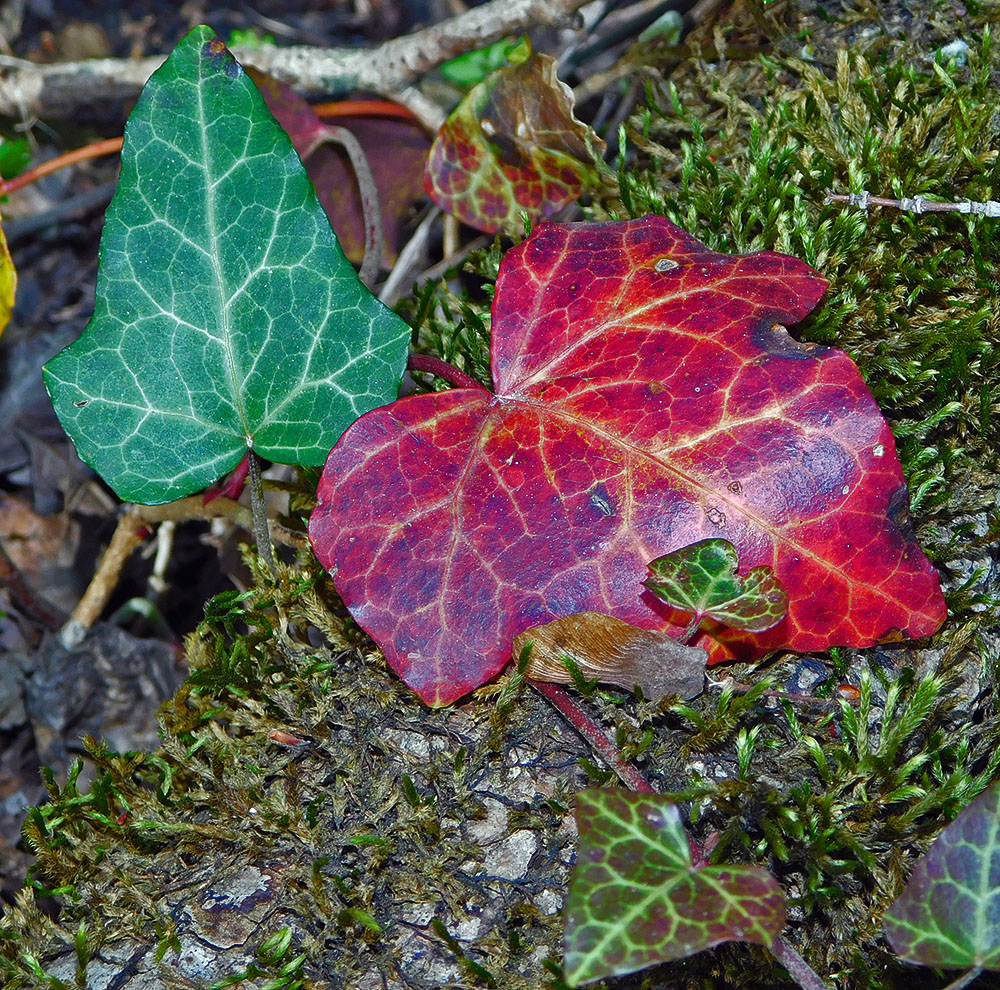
x=80 y=403
x=508 y=151
x=666 y=265
x=735 y=487
x=217 y=53
x=716 y=517
x=601 y=500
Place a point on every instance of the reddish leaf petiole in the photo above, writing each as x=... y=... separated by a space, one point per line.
x=435 y=366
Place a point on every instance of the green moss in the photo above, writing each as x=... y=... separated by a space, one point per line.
x=743 y=155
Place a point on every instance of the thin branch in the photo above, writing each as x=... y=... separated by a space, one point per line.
x=798 y=969
x=61 y=89
x=128 y=535
x=132 y=529
x=965 y=979
x=363 y=108
x=556 y=695
x=95 y=150
x=794 y=698
x=916 y=204
x=408 y=259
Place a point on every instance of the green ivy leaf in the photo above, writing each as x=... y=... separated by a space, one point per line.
x=949 y=913
x=226 y=316
x=701 y=578
x=636 y=899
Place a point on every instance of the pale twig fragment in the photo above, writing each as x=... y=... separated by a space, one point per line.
x=916 y=204
x=61 y=88
x=129 y=535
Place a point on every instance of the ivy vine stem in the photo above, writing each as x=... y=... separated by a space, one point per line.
x=556 y=695
x=435 y=366
x=798 y=969
x=261 y=531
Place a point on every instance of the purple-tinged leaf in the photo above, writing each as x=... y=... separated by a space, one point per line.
x=647 y=397
x=512 y=145
x=635 y=898
x=949 y=913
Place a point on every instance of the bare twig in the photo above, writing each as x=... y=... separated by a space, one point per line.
x=60 y=89
x=17 y=228
x=363 y=108
x=130 y=533
x=794 y=697
x=408 y=259
x=965 y=979
x=798 y=969
x=96 y=150
x=916 y=204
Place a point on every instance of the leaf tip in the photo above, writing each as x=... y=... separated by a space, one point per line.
x=215 y=52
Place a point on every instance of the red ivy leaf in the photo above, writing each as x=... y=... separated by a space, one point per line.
x=512 y=144
x=648 y=397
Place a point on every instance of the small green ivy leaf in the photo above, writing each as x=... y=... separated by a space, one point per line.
x=949 y=913
x=636 y=899
x=701 y=578
x=227 y=316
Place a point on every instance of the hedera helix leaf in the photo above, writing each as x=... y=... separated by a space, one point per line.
x=702 y=579
x=636 y=899
x=949 y=913
x=647 y=397
x=227 y=316
x=513 y=145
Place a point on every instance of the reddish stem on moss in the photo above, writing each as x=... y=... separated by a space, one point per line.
x=594 y=734
x=556 y=695
x=798 y=969
x=108 y=147
x=435 y=366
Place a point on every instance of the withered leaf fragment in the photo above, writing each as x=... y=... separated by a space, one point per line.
x=613 y=652
x=512 y=145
